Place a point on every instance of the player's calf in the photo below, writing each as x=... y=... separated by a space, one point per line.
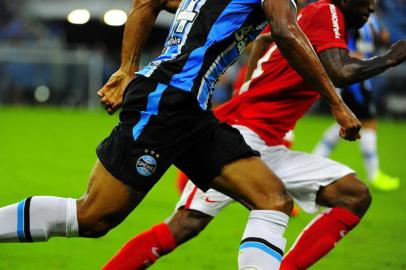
x=97 y=216
x=92 y=224
x=349 y=199
x=106 y=203
x=186 y=224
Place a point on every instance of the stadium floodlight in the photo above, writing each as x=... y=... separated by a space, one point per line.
x=79 y=16
x=115 y=17
x=42 y=93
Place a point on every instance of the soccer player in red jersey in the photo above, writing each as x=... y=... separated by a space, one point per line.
x=267 y=107
x=359 y=97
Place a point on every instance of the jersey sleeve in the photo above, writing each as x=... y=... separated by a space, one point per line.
x=266 y=30
x=328 y=29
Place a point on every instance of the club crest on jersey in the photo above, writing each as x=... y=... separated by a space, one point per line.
x=146 y=165
x=173 y=41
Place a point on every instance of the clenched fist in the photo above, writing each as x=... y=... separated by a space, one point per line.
x=111 y=94
x=350 y=125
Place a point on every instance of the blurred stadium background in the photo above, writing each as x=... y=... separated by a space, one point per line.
x=55 y=55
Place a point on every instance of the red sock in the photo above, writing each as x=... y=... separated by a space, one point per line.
x=319 y=238
x=181 y=181
x=143 y=250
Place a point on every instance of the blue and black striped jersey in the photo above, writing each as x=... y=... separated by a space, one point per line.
x=206 y=37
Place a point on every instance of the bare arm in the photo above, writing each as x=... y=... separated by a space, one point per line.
x=259 y=47
x=344 y=69
x=297 y=49
x=139 y=24
x=140 y=21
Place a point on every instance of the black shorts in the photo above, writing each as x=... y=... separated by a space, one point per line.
x=161 y=125
x=359 y=99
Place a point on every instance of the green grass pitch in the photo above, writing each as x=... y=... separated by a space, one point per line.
x=51 y=152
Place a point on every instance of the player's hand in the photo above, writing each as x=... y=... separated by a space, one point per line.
x=350 y=125
x=397 y=53
x=111 y=94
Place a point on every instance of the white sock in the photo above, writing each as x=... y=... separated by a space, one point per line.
x=368 y=145
x=37 y=219
x=328 y=142
x=263 y=244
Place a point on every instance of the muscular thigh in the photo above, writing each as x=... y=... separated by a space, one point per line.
x=252 y=183
x=107 y=199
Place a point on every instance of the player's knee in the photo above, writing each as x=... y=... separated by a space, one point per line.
x=91 y=224
x=355 y=196
x=93 y=227
x=280 y=201
x=362 y=198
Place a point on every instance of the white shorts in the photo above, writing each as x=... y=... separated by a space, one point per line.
x=302 y=174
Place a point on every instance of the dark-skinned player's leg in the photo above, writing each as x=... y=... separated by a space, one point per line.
x=348 y=199
x=253 y=184
x=244 y=177
x=250 y=182
x=187 y=223
x=106 y=203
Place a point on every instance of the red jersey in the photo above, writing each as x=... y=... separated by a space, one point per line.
x=277 y=96
x=239 y=80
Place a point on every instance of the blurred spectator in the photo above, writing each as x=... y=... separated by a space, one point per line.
x=13 y=25
x=394 y=16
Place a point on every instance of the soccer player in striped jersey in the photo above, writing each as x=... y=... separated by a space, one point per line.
x=267 y=107
x=164 y=120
